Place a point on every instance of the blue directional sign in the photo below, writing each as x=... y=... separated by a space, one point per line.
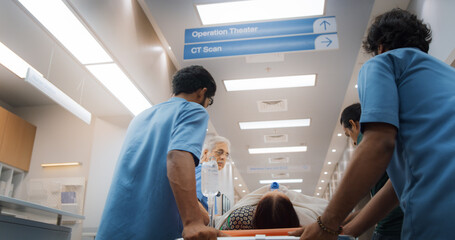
x=263 y=29
x=262 y=45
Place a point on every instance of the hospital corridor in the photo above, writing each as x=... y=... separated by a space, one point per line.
x=227 y=119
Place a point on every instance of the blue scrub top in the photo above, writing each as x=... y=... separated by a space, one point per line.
x=415 y=92
x=203 y=199
x=140 y=203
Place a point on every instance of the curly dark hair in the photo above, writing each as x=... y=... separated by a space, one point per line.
x=192 y=78
x=397 y=29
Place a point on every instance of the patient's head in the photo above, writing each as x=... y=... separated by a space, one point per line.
x=275 y=210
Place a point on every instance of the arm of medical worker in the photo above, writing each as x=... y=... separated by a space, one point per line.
x=205 y=214
x=369 y=162
x=180 y=172
x=376 y=209
x=350 y=217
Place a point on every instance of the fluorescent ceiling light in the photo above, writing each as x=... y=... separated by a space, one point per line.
x=277 y=150
x=296 y=190
x=22 y=69
x=13 y=62
x=275 y=124
x=256 y=10
x=113 y=78
x=60 y=21
x=317 y=194
x=270 y=83
x=243 y=190
x=60 y=164
x=281 y=181
x=339 y=134
x=42 y=84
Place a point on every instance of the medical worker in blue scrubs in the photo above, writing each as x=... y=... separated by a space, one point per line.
x=388 y=228
x=153 y=191
x=408 y=126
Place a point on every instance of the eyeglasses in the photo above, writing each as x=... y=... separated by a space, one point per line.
x=221 y=152
x=210 y=101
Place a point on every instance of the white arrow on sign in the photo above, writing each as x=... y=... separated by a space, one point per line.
x=327 y=41
x=325 y=25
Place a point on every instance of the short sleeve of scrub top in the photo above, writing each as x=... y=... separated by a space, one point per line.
x=378 y=92
x=190 y=130
x=379 y=98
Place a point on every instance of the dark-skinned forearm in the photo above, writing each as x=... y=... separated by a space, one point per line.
x=369 y=162
x=376 y=209
x=181 y=175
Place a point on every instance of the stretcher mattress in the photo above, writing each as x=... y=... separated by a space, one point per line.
x=266 y=234
x=263 y=237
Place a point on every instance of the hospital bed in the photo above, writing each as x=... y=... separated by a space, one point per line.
x=266 y=234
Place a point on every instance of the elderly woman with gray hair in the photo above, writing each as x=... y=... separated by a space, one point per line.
x=217 y=147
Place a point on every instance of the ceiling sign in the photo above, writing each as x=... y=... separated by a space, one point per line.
x=267 y=169
x=264 y=37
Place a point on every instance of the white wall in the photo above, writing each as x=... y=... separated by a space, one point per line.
x=107 y=142
x=439 y=14
x=124 y=29
x=60 y=137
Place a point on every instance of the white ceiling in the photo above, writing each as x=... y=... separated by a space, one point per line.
x=125 y=32
x=321 y=103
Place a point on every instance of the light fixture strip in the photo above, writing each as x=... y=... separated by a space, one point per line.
x=256 y=10
x=38 y=81
x=275 y=124
x=299 y=180
x=270 y=83
x=13 y=62
x=113 y=78
x=60 y=164
x=22 y=69
x=60 y=21
x=277 y=150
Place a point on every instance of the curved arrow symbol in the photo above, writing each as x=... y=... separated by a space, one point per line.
x=328 y=41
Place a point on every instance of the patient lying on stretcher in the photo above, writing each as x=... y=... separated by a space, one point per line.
x=265 y=209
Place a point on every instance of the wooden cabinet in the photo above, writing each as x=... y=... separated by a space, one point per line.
x=3 y=116
x=17 y=137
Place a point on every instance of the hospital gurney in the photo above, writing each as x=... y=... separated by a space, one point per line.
x=266 y=234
